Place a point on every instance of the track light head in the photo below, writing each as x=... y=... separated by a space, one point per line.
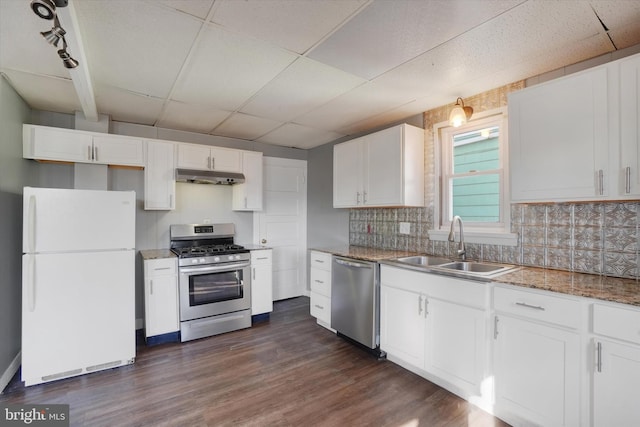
x=45 y=9
x=67 y=60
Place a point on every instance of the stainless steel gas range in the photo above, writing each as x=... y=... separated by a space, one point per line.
x=215 y=280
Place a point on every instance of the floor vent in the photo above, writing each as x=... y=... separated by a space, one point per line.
x=62 y=375
x=104 y=366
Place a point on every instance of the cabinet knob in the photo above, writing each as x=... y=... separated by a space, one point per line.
x=263 y=241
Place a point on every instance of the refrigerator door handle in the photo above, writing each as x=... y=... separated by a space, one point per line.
x=32 y=224
x=31 y=283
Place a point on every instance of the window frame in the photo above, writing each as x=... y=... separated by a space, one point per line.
x=475 y=232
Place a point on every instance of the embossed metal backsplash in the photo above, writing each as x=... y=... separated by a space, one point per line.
x=597 y=238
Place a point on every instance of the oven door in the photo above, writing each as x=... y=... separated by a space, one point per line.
x=212 y=290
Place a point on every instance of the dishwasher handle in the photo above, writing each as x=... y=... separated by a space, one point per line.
x=342 y=261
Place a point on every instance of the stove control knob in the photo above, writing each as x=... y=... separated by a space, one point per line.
x=230 y=257
x=237 y=256
x=216 y=259
x=201 y=260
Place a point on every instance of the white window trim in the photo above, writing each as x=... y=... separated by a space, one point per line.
x=482 y=235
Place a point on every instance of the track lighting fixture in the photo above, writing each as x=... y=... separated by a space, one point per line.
x=460 y=114
x=46 y=9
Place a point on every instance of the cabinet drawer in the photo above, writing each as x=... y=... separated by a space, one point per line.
x=261 y=257
x=614 y=322
x=160 y=267
x=321 y=260
x=546 y=308
x=320 y=307
x=321 y=281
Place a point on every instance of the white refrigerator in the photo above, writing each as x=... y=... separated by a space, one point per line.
x=78 y=282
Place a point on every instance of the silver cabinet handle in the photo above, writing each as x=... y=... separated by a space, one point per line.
x=151 y=287
x=599 y=357
x=261 y=258
x=535 y=307
x=351 y=263
x=89 y=153
x=495 y=327
x=253 y=273
x=627 y=174
x=318 y=281
x=319 y=306
x=162 y=268
x=95 y=153
x=213 y=163
x=426 y=307
x=419 y=305
x=209 y=162
x=364 y=197
x=357 y=197
x=601 y=181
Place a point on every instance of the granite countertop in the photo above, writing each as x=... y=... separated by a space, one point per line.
x=364 y=254
x=156 y=254
x=624 y=291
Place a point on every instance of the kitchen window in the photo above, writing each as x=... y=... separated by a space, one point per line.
x=472 y=172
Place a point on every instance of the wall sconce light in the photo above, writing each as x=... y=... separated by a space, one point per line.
x=46 y=9
x=460 y=114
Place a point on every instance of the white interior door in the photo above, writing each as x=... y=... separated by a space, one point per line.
x=282 y=224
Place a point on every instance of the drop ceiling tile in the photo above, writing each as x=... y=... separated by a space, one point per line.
x=197 y=8
x=389 y=33
x=226 y=69
x=43 y=92
x=293 y=25
x=127 y=106
x=626 y=36
x=191 y=117
x=294 y=135
x=362 y=102
x=303 y=86
x=21 y=45
x=244 y=126
x=135 y=45
x=617 y=13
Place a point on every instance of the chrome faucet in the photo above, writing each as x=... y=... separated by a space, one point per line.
x=452 y=237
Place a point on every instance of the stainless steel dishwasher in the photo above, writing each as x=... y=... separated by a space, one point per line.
x=355 y=300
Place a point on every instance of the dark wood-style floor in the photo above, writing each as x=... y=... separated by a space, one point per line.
x=286 y=371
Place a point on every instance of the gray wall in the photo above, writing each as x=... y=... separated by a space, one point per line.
x=15 y=173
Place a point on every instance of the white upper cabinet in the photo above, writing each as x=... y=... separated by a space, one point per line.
x=248 y=195
x=204 y=157
x=69 y=145
x=159 y=176
x=630 y=126
x=385 y=168
x=576 y=138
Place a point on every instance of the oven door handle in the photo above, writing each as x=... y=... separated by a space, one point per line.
x=212 y=269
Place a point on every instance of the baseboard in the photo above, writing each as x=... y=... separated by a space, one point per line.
x=6 y=377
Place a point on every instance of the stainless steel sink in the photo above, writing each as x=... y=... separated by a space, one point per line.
x=476 y=268
x=423 y=260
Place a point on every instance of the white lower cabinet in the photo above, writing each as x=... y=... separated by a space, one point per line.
x=261 y=281
x=537 y=356
x=437 y=325
x=320 y=287
x=161 y=297
x=616 y=367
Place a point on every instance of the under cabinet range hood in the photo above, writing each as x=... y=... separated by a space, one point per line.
x=208 y=177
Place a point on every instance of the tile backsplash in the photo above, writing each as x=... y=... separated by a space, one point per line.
x=597 y=238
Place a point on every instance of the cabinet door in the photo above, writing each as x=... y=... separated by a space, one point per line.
x=64 y=145
x=193 y=156
x=261 y=282
x=225 y=159
x=159 y=177
x=615 y=384
x=347 y=174
x=161 y=297
x=383 y=173
x=248 y=195
x=456 y=343
x=118 y=151
x=402 y=324
x=630 y=126
x=537 y=374
x=559 y=139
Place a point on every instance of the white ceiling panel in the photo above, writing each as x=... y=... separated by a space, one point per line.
x=617 y=13
x=21 y=45
x=126 y=106
x=245 y=126
x=191 y=117
x=362 y=102
x=197 y=8
x=227 y=69
x=294 y=25
x=389 y=33
x=61 y=95
x=303 y=86
x=294 y=135
x=135 y=45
